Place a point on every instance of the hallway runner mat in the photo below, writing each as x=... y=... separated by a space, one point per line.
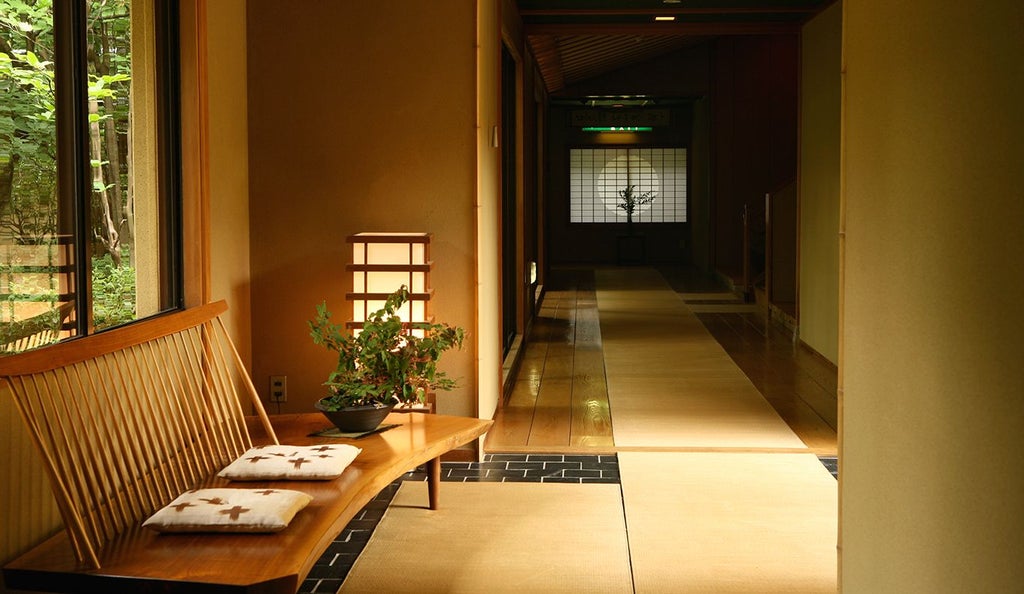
x=731 y=522
x=670 y=384
x=498 y=537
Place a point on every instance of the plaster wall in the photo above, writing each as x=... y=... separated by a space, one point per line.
x=933 y=330
x=820 y=102
x=488 y=206
x=361 y=118
x=229 y=168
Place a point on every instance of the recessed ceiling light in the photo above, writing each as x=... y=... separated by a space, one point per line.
x=671 y=1
x=664 y=18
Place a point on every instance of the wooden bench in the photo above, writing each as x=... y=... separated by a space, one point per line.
x=128 y=419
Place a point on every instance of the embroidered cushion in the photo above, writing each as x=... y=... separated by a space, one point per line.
x=229 y=510
x=284 y=462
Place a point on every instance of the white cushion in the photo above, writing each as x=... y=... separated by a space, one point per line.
x=284 y=462
x=229 y=510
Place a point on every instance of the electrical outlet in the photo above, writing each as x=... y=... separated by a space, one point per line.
x=279 y=388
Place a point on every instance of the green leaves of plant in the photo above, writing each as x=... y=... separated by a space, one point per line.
x=384 y=362
x=630 y=202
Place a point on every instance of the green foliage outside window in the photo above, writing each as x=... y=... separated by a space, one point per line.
x=30 y=207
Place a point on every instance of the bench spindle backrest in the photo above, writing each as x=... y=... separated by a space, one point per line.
x=128 y=419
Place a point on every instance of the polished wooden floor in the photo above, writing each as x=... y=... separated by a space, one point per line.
x=559 y=401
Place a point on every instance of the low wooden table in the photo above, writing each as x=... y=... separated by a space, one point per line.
x=140 y=560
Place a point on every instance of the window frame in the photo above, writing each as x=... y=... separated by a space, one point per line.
x=73 y=162
x=621 y=146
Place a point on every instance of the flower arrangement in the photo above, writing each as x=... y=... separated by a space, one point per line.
x=385 y=363
x=629 y=202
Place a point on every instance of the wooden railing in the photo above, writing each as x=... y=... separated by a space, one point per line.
x=754 y=232
x=780 y=279
x=35 y=290
x=769 y=245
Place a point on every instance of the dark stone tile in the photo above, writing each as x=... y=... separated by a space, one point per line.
x=508 y=457
x=308 y=586
x=561 y=466
x=831 y=463
x=526 y=466
x=377 y=506
x=328 y=586
x=340 y=547
x=601 y=480
x=361 y=525
x=581 y=458
x=487 y=479
x=519 y=479
x=501 y=465
x=595 y=465
x=460 y=474
x=545 y=458
x=560 y=479
x=374 y=515
x=320 y=572
x=360 y=536
x=327 y=559
x=460 y=465
x=343 y=562
x=506 y=473
x=572 y=473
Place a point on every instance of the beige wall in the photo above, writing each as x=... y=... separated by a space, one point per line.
x=820 y=57
x=488 y=230
x=229 y=167
x=362 y=117
x=28 y=512
x=933 y=332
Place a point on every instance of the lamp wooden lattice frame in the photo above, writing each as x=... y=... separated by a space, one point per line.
x=417 y=261
x=416 y=264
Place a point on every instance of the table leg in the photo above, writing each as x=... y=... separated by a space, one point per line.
x=433 y=480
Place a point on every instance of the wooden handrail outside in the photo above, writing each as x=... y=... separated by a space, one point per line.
x=76 y=350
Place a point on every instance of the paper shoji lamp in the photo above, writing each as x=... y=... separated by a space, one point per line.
x=383 y=262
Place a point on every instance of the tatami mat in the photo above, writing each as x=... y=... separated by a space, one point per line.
x=730 y=522
x=705 y=297
x=670 y=384
x=722 y=307
x=498 y=537
x=717 y=494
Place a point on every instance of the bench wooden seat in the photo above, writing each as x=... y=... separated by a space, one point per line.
x=126 y=422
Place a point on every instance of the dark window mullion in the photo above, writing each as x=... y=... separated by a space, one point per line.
x=168 y=35
x=74 y=177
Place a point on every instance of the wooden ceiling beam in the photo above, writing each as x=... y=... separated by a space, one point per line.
x=663 y=28
x=549 y=61
x=663 y=11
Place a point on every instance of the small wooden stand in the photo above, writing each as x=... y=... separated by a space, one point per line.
x=631 y=249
